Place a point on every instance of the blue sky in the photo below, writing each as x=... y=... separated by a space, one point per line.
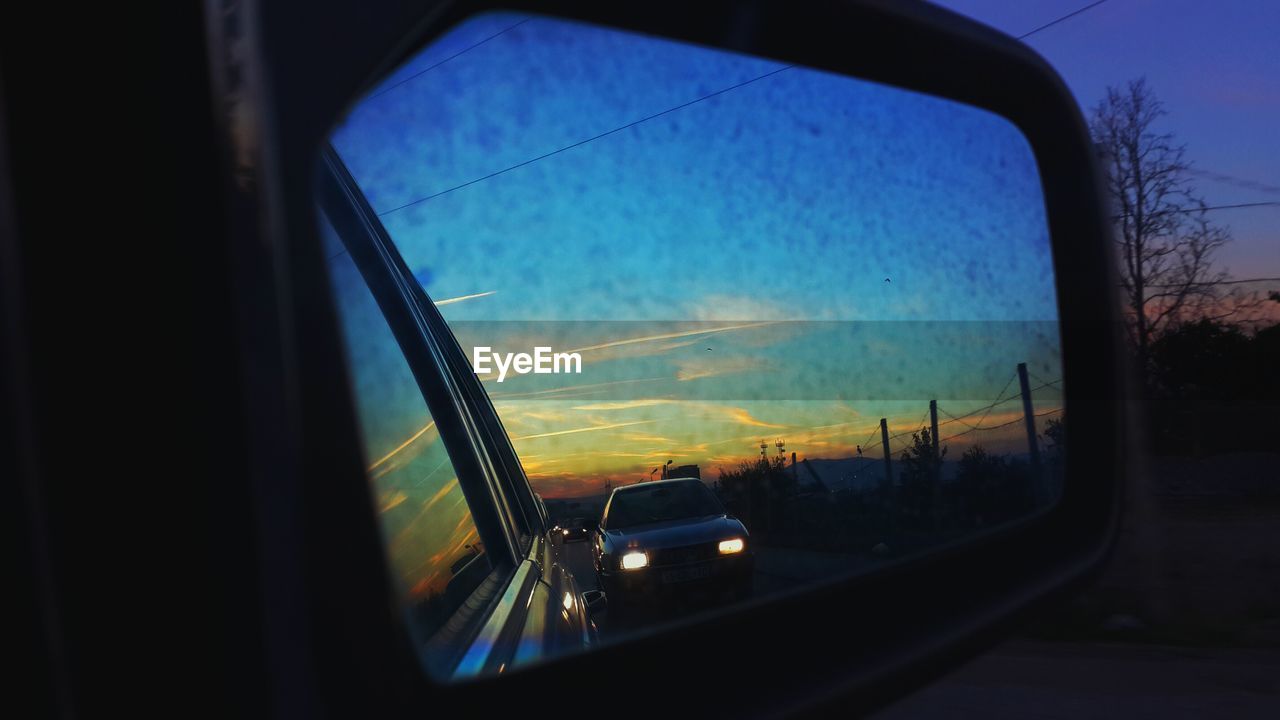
x=940 y=198
x=507 y=164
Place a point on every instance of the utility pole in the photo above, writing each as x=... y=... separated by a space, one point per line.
x=936 y=505
x=884 y=441
x=888 y=474
x=933 y=424
x=795 y=493
x=1029 y=414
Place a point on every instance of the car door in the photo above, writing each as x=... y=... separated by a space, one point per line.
x=467 y=543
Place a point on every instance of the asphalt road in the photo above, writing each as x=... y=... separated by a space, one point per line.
x=777 y=569
x=1023 y=679
x=577 y=555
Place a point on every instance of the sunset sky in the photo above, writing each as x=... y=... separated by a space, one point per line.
x=739 y=251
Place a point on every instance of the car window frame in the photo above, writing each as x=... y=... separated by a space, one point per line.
x=516 y=494
x=506 y=534
x=604 y=516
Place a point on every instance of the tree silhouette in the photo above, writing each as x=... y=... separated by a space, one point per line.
x=1165 y=237
x=755 y=491
x=1055 y=436
x=993 y=488
x=921 y=471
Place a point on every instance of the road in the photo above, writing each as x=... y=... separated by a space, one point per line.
x=777 y=569
x=1025 y=679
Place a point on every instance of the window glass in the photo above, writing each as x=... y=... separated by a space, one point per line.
x=434 y=550
x=828 y=300
x=655 y=503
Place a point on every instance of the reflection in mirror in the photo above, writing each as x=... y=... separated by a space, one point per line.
x=748 y=326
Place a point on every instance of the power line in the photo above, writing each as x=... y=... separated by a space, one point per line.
x=1246 y=280
x=954 y=419
x=1207 y=283
x=1001 y=425
x=580 y=143
x=976 y=429
x=1044 y=383
x=1000 y=400
x=464 y=51
x=1233 y=180
x=1205 y=208
x=869 y=436
x=918 y=427
x=1068 y=16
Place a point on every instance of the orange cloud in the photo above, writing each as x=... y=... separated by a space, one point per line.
x=394 y=500
x=440 y=494
x=625 y=404
x=742 y=417
x=402 y=445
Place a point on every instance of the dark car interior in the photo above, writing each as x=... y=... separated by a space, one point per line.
x=840 y=274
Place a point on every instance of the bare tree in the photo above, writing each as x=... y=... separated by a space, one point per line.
x=1167 y=241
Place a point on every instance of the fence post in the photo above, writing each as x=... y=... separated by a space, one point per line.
x=936 y=504
x=894 y=495
x=1028 y=412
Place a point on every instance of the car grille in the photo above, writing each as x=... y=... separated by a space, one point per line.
x=682 y=555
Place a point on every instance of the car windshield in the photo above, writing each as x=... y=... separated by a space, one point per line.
x=660 y=503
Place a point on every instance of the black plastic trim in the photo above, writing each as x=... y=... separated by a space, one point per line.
x=856 y=643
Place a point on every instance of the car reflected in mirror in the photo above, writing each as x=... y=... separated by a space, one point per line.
x=742 y=327
x=670 y=540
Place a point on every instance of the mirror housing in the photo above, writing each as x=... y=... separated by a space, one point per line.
x=870 y=637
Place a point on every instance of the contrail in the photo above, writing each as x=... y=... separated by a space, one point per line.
x=671 y=335
x=450 y=301
x=585 y=429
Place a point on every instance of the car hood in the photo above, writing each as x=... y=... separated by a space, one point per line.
x=676 y=533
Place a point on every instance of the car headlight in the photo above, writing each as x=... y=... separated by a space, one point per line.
x=634 y=561
x=565 y=531
x=729 y=547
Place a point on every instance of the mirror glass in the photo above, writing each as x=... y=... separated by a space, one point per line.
x=763 y=326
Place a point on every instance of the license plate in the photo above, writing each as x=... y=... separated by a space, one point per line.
x=696 y=572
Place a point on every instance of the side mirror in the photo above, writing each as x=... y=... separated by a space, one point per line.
x=595 y=600
x=943 y=295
